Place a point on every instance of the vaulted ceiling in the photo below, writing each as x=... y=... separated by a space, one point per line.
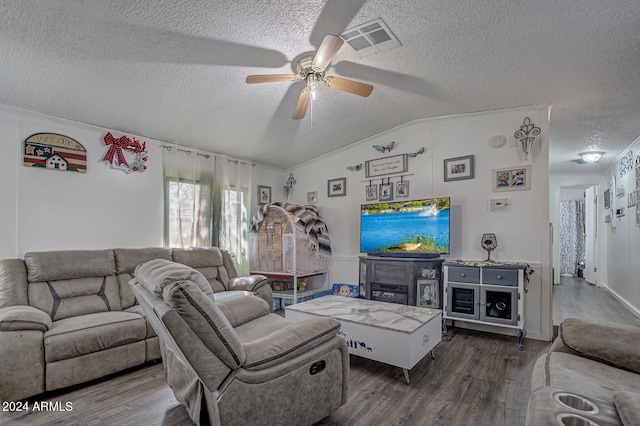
x=175 y=70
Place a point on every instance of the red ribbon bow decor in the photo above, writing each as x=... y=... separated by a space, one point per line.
x=115 y=153
x=115 y=148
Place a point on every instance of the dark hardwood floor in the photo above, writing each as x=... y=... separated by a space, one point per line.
x=476 y=378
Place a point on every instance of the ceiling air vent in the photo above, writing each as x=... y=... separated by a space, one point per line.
x=370 y=38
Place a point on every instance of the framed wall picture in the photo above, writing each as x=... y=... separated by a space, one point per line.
x=512 y=179
x=427 y=294
x=402 y=189
x=337 y=187
x=371 y=192
x=386 y=192
x=458 y=168
x=264 y=194
x=312 y=197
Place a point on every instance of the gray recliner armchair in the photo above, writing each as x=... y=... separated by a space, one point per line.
x=233 y=361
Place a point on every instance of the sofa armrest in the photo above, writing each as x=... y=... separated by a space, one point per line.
x=289 y=342
x=24 y=317
x=610 y=343
x=248 y=283
x=242 y=309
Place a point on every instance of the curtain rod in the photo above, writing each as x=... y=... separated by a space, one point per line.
x=186 y=151
x=189 y=152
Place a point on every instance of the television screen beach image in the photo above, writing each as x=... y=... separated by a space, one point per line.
x=411 y=227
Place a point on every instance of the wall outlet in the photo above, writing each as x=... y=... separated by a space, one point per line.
x=498 y=204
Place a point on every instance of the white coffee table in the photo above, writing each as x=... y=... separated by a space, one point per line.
x=398 y=335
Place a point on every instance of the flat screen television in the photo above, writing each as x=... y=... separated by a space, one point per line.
x=418 y=228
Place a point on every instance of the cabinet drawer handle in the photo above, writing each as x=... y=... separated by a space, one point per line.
x=463 y=274
x=499 y=277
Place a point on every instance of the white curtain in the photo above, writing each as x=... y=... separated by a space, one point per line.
x=188 y=177
x=572 y=237
x=233 y=190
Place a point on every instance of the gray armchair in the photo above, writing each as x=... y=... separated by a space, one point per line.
x=233 y=361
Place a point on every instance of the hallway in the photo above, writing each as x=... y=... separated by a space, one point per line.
x=576 y=298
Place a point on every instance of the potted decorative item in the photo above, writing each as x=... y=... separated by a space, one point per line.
x=489 y=242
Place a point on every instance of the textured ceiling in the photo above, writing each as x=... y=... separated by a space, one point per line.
x=175 y=71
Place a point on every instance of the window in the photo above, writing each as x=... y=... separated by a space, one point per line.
x=189 y=216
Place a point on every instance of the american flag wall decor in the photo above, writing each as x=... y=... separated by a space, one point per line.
x=54 y=151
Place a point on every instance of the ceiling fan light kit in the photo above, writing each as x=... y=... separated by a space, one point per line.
x=312 y=68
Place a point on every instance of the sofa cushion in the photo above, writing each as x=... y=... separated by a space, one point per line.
x=207 y=321
x=289 y=342
x=13 y=283
x=628 y=406
x=79 y=296
x=157 y=274
x=209 y=261
x=72 y=337
x=69 y=264
x=611 y=343
x=126 y=262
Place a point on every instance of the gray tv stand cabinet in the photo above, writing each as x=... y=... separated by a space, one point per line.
x=403 y=280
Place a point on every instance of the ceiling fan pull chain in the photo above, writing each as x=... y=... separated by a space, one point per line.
x=311 y=106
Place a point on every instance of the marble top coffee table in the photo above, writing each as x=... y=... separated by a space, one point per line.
x=398 y=335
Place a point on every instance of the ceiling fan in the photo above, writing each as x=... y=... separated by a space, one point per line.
x=312 y=69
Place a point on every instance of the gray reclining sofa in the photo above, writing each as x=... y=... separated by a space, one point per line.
x=67 y=317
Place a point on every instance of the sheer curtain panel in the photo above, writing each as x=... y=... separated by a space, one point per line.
x=233 y=193
x=189 y=178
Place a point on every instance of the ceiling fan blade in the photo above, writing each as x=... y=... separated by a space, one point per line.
x=302 y=105
x=327 y=50
x=270 y=78
x=349 y=86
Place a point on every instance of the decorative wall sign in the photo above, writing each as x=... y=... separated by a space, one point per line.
x=386 y=166
x=119 y=149
x=337 y=187
x=458 y=168
x=512 y=179
x=385 y=148
x=54 y=151
x=625 y=165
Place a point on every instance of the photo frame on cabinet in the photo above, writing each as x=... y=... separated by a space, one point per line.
x=427 y=294
x=264 y=195
x=337 y=187
x=458 y=168
x=512 y=179
x=371 y=192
